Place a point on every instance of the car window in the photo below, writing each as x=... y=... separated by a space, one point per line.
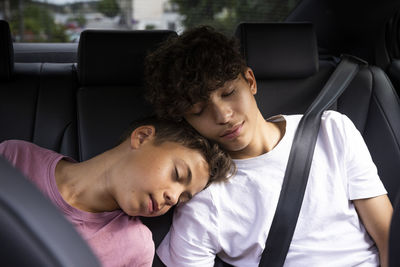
x=64 y=20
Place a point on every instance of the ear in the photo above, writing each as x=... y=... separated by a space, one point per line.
x=141 y=135
x=251 y=80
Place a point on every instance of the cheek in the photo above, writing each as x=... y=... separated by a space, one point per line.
x=245 y=101
x=209 y=131
x=163 y=210
x=127 y=201
x=246 y=109
x=201 y=124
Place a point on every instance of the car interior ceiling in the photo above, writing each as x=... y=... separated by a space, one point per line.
x=77 y=99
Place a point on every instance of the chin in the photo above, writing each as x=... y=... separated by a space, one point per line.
x=235 y=146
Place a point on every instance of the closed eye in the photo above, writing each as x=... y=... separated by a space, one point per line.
x=229 y=93
x=176 y=175
x=198 y=113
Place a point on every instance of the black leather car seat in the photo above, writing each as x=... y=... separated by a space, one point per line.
x=37 y=100
x=36 y=105
x=387 y=50
x=110 y=97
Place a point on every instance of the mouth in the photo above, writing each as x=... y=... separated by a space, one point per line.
x=153 y=205
x=232 y=132
x=150 y=206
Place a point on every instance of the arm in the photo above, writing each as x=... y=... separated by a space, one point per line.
x=376 y=214
x=366 y=190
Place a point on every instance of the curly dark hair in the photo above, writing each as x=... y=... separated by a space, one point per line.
x=185 y=69
x=220 y=163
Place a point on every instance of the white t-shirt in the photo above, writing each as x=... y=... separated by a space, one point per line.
x=233 y=218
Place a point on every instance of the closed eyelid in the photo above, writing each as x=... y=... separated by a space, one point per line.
x=229 y=92
x=188 y=177
x=189 y=174
x=198 y=112
x=176 y=173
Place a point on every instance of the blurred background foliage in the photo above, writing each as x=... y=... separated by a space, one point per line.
x=48 y=21
x=225 y=15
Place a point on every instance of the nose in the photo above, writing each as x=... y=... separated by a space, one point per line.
x=222 y=112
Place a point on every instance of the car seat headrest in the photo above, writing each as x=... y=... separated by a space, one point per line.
x=114 y=57
x=279 y=50
x=6 y=51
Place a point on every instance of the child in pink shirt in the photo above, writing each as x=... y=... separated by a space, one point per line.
x=157 y=166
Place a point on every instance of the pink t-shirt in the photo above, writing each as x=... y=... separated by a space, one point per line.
x=116 y=238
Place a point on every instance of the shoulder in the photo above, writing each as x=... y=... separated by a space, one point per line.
x=12 y=145
x=17 y=150
x=137 y=236
x=136 y=229
x=209 y=201
x=145 y=233
x=200 y=205
x=342 y=123
x=329 y=118
x=338 y=125
x=334 y=118
x=120 y=240
x=143 y=238
x=198 y=216
x=193 y=237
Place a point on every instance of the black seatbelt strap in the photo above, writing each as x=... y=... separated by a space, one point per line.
x=299 y=164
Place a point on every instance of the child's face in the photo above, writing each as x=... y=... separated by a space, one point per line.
x=157 y=177
x=230 y=117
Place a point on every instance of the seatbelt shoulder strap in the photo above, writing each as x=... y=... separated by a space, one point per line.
x=299 y=164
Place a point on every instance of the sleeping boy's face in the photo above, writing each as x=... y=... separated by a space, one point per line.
x=153 y=178
x=230 y=116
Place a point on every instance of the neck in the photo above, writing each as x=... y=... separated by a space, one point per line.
x=85 y=185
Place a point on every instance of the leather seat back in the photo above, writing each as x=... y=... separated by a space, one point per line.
x=110 y=96
x=37 y=100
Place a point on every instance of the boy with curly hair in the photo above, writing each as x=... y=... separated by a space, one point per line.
x=202 y=78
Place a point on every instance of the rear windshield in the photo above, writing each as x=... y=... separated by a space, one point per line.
x=64 y=20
